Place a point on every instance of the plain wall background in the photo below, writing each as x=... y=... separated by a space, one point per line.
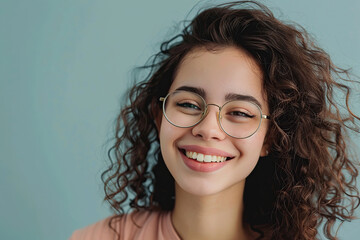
x=63 y=68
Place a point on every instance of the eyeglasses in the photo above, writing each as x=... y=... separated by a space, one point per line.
x=239 y=118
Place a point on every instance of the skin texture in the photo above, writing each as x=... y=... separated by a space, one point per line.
x=208 y=204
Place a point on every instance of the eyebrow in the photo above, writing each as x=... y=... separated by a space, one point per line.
x=241 y=97
x=228 y=97
x=199 y=91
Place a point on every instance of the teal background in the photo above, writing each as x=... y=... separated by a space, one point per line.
x=63 y=68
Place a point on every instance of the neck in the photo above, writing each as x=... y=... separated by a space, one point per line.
x=217 y=216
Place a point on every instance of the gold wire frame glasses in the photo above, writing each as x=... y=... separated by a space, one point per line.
x=237 y=118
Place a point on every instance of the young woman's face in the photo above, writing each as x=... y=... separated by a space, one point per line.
x=218 y=75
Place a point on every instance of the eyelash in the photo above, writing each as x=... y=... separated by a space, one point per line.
x=188 y=105
x=242 y=114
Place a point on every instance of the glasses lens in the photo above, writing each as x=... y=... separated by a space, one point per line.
x=240 y=119
x=184 y=109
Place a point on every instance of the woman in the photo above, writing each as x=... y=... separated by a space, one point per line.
x=235 y=134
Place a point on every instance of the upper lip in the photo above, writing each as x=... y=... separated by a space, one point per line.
x=206 y=150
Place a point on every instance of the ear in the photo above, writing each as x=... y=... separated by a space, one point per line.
x=264 y=150
x=156 y=112
x=266 y=146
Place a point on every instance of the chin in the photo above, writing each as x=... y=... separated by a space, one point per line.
x=206 y=187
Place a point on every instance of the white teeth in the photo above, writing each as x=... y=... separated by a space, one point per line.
x=204 y=158
x=207 y=158
x=200 y=157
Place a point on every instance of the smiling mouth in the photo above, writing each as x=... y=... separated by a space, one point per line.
x=200 y=157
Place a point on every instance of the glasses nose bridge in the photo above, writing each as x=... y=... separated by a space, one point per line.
x=212 y=104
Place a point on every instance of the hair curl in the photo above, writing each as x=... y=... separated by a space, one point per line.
x=308 y=178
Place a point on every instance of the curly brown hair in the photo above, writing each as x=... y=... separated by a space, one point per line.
x=309 y=176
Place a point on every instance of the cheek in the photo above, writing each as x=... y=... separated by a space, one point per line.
x=168 y=136
x=164 y=138
x=251 y=147
x=167 y=131
x=250 y=152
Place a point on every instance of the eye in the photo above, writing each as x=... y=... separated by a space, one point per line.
x=188 y=105
x=240 y=114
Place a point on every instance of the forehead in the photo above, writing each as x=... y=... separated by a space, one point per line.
x=220 y=72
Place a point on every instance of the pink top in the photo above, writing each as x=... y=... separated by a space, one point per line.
x=137 y=225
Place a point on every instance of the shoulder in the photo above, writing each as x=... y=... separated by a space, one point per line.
x=136 y=225
x=99 y=230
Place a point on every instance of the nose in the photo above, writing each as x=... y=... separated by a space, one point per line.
x=209 y=128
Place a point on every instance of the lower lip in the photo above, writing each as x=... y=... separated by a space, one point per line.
x=202 y=166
